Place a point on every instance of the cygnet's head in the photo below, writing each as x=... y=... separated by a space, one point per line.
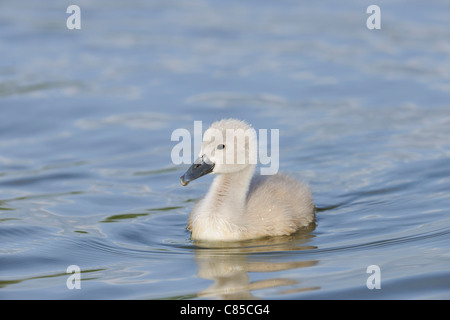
x=228 y=146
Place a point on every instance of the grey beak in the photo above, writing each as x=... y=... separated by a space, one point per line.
x=199 y=168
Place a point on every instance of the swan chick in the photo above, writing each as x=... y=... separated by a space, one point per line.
x=239 y=205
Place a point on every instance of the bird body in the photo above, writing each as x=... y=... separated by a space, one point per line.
x=240 y=205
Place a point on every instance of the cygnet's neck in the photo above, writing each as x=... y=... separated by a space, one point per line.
x=226 y=198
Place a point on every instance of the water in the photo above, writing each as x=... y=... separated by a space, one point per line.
x=86 y=176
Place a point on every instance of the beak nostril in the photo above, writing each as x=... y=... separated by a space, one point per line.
x=198 y=169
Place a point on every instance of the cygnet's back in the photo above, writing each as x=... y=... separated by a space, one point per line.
x=278 y=205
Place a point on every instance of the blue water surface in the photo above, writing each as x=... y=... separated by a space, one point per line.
x=87 y=178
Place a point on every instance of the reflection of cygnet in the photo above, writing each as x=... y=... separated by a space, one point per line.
x=236 y=206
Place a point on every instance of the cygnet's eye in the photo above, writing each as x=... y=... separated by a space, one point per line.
x=220 y=147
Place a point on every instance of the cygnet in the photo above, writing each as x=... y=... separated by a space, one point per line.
x=240 y=205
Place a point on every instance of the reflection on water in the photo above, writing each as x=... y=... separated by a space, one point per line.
x=228 y=265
